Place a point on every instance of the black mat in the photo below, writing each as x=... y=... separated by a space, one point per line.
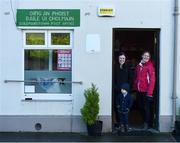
x=176 y=136
x=135 y=133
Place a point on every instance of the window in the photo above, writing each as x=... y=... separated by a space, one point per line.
x=63 y=39
x=48 y=62
x=35 y=39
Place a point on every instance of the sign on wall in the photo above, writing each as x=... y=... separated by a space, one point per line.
x=108 y=11
x=64 y=60
x=93 y=43
x=48 y=17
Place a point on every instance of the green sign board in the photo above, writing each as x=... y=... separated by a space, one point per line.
x=48 y=17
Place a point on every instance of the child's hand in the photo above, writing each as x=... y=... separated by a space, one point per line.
x=127 y=111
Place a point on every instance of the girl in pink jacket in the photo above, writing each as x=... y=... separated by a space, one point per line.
x=144 y=83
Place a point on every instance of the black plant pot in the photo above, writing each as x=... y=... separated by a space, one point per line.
x=95 y=129
x=177 y=127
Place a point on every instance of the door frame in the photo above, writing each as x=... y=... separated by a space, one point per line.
x=157 y=66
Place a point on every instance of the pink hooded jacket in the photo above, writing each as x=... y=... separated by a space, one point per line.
x=145 y=78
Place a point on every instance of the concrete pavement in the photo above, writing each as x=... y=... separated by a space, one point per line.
x=83 y=137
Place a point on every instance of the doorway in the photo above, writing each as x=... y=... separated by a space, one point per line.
x=133 y=42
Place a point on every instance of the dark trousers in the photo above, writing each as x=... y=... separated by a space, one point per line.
x=123 y=118
x=116 y=110
x=146 y=103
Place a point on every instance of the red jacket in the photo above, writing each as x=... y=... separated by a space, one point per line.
x=145 y=78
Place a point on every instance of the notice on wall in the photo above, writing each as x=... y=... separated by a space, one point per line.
x=92 y=43
x=64 y=58
x=29 y=89
x=106 y=11
x=48 y=17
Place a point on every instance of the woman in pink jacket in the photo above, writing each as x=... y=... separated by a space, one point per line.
x=144 y=83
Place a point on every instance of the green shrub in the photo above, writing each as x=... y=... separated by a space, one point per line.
x=90 y=110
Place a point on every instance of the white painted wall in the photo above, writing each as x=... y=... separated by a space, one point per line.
x=166 y=59
x=178 y=67
x=0 y=54
x=87 y=67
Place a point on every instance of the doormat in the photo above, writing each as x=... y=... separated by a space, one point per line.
x=135 y=133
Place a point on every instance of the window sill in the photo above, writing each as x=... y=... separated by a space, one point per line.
x=47 y=97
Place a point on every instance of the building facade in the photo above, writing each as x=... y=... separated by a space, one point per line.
x=33 y=60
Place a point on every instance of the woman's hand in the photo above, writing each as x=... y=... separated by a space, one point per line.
x=149 y=98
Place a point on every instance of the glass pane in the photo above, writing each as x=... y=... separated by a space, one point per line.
x=41 y=66
x=36 y=59
x=35 y=38
x=60 y=38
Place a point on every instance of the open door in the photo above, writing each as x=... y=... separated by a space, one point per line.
x=133 y=42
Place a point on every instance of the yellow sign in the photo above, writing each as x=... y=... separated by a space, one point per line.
x=106 y=11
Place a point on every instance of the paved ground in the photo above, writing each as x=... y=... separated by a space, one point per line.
x=80 y=137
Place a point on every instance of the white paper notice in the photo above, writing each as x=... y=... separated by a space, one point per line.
x=92 y=43
x=30 y=89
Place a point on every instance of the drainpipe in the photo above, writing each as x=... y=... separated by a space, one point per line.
x=174 y=96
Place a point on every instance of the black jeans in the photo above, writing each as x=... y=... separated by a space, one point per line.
x=123 y=118
x=146 y=103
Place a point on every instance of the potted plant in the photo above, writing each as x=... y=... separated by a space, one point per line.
x=90 y=111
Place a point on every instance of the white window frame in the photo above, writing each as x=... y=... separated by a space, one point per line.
x=46 y=96
x=61 y=46
x=34 y=46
